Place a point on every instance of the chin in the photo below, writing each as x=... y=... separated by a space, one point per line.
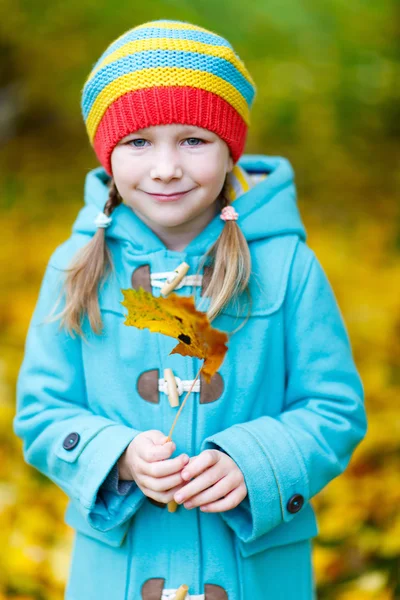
x=173 y=222
x=173 y=219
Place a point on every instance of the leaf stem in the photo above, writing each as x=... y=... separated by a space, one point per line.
x=183 y=404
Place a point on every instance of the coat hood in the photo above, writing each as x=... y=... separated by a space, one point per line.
x=261 y=188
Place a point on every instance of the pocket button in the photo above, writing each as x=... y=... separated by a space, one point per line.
x=295 y=503
x=71 y=441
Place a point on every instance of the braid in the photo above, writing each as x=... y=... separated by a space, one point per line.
x=114 y=199
x=89 y=268
x=231 y=261
x=223 y=197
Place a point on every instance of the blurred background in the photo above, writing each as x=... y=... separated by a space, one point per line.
x=328 y=99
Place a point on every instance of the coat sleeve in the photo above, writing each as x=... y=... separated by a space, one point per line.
x=113 y=483
x=52 y=405
x=299 y=451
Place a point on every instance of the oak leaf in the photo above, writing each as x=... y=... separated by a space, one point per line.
x=177 y=317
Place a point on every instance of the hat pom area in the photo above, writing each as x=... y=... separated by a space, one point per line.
x=166 y=72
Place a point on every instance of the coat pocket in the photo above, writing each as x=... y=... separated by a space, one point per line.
x=271 y=264
x=113 y=537
x=302 y=527
x=284 y=571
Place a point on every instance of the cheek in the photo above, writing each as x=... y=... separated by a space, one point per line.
x=124 y=173
x=212 y=173
x=116 y=160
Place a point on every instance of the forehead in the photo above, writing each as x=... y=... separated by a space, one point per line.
x=172 y=130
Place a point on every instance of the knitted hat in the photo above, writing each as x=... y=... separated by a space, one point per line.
x=166 y=72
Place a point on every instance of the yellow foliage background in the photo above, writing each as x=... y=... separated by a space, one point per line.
x=328 y=100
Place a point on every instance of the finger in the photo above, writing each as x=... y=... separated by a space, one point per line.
x=230 y=501
x=200 y=483
x=165 y=467
x=151 y=452
x=199 y=463
x=160 y=496
x=217 y=491
x=161 y=484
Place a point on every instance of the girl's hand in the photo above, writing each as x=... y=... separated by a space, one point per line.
x=218 y=483
x=145 y=461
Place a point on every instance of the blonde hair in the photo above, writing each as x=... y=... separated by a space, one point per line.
x=231 y=264
x=229 y=257
x=87 y=272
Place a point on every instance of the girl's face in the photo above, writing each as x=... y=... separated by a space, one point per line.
x=167 y=160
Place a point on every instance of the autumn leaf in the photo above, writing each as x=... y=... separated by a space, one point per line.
x=177 y=317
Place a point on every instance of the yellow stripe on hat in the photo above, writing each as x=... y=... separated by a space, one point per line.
x=164 y=77
x=174 y=44
x=173 y=25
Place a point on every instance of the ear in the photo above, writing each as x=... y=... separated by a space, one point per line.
x=230 y=164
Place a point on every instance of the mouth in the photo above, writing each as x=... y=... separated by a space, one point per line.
x=168 y=197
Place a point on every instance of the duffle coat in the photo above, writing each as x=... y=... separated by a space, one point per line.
x=287 y=405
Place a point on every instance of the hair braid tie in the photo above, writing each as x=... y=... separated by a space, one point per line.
x=104 y=219
x=228 y=213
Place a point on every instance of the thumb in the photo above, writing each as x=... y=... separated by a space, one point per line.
x=157 y=449
x=158 y=437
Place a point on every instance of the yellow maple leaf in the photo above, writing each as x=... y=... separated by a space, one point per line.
x=177 y=317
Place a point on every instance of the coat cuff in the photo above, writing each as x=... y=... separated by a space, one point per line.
x=254 y=447
x=113 y=483
x=86 y=466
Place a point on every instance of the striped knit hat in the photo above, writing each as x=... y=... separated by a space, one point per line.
x=166 y=72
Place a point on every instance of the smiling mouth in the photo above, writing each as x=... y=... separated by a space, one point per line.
x=168 y=197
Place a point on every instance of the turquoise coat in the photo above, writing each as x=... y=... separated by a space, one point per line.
x=287 y=405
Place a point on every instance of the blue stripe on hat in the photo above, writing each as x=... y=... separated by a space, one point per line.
x=156 y=32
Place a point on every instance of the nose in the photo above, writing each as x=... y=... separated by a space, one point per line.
x=166 y=165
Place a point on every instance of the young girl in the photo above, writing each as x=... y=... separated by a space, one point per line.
x=167 y=111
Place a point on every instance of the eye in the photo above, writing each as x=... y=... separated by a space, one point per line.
x=139 y=145
x=195 y=140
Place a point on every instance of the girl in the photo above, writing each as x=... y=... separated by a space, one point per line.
x=167 y=111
